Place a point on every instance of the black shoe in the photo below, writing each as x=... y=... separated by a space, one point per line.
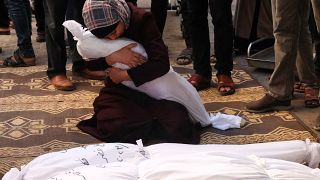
x=268 y=103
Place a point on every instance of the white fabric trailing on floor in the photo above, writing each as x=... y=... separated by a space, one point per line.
x=170 y=86
x=274 y=160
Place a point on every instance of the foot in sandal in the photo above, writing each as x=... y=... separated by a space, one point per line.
x=185 y=57
x=16 y=60
x=311 y=97
x=226 y=85
x=299 y=87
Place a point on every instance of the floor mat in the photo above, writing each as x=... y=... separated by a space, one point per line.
x=36 y=118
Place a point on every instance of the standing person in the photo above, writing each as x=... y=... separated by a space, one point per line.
x=223 y=44
x=55 y=12
x=122 y=114
x=185 y=57
x=252 y=21
x=159 y=11
x=20 y=12
x=316 y=32
x=293 y=48
x=4 y=19
x=40 y=20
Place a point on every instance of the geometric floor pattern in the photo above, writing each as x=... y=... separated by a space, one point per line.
x=36 y=119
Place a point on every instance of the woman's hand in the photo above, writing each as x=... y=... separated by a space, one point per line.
x=126 y=56
x=117 y=75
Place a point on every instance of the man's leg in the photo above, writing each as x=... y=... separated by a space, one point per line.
x=185 y=57
x=199 y=32
x=40 y=20
x=20 y=11
x=316 y=12
x=56 y=48
x=305 y=64
x=159 y=11
x=286 y=27
x=54 y=17
x=223 y=35
x=4 y=19
x=223 y=44
x=287 y=19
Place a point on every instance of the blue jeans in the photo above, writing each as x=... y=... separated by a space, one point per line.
x=20 y=12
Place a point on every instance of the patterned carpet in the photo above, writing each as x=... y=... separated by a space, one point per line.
x=36 y=119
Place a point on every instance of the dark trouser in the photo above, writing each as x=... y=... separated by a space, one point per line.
x=55 y=12
x=20 y=12
x=125 y=115
x=316 y=40
x=223 y=36
x=186 y=22
x=159 y=11
x=39 y=15
x=4 y=19
x=317 y=57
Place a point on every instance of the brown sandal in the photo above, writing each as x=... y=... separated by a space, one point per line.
x=199 y=82
x=299 y=87
x=225 y=81
x=311 y=97
x=17 y=61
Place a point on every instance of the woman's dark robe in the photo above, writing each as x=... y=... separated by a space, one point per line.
x=125 y=115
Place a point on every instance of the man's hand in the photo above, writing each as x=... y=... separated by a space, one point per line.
x=117 y=75
x=126 y=56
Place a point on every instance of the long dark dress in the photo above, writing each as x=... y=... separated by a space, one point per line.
x=125 y=115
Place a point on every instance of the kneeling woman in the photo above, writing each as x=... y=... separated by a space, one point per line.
x=122 y=114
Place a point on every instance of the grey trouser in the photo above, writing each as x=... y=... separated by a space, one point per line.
x=293 y=47
x=244 y=14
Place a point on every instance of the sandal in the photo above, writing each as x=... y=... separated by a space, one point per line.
x=311 y=97
x=199 y=82
x=17 y=61
x=185 y=57
x=223 y=82
x=299 y=87
x=213 y=59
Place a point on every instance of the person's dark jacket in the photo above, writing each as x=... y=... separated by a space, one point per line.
x=144 y=30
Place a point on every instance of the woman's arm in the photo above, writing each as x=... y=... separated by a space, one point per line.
x=126 y=56
x=145 y=32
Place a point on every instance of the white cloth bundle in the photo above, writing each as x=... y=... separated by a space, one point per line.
x=224 y=166
x=274 y=160
x=170 y=86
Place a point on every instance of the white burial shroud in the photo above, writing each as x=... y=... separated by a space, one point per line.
x=275 y=160
x=170 y=86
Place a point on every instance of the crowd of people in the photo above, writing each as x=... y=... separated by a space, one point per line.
x=123 y=114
